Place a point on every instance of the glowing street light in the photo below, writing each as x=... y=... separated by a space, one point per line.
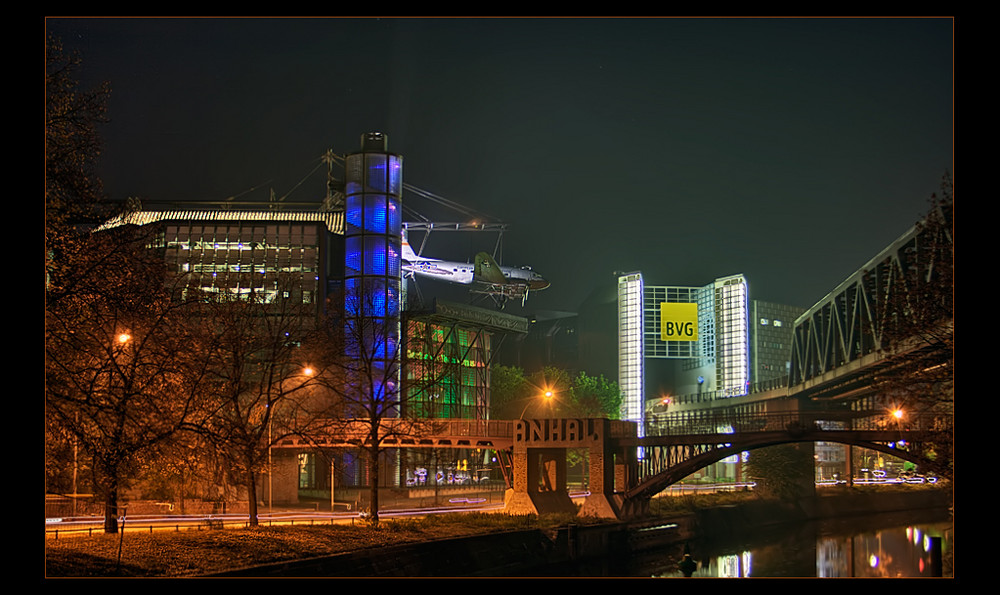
x=547 y=396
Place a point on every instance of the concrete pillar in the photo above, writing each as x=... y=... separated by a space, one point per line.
x=601 y=502
x=621 y=472
x=285 y=481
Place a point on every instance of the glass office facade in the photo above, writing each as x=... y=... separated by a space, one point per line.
x=271 y=259
x=772 y=331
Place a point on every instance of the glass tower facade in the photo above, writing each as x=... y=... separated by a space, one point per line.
x=630 y=343
x=732 y=345
x=372 y=248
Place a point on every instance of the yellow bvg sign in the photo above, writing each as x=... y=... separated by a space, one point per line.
x=678 y=322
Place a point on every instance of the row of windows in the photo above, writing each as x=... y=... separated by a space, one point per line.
x=239 y=249
x=243 y=237
x=269 y=296
x=216 y=267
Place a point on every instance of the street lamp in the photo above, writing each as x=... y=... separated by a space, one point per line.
x=547 y=395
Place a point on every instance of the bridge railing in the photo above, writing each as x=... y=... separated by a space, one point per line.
x=474 y=427
x=717 y=423
x=675 y=424
x=714 y=395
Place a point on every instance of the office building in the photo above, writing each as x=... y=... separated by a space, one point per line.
x=681 y=340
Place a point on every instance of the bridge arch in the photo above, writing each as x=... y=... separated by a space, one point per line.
x=709 y=454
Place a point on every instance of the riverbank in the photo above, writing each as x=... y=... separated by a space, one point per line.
x=536 y=552
x=460 y=546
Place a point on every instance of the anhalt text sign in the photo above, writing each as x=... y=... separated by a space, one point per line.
x=558 y=432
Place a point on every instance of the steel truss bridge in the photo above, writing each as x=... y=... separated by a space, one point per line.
x=847 y=337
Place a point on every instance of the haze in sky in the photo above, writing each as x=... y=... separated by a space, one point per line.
x=791 y=150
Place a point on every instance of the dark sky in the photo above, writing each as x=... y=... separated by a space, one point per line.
x=789 y=150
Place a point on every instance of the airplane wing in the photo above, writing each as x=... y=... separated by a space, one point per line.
x=488 y=271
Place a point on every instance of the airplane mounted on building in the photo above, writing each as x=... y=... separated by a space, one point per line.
x=484 y=276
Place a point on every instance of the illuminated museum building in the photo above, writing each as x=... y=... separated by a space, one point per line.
x=308 y=252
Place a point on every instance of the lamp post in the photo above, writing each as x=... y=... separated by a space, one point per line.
x=270 y=468
x=307 y=371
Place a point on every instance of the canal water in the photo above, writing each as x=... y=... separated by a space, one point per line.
x=898 y=545
x=880 y=546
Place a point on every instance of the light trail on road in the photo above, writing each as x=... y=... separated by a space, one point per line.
x=70 y=526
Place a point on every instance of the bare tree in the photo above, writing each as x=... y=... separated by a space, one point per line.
x=73 y=192
x=120 y=382
x=263 y=378
x=374 y=384
x=917 y=312
x=118 y=379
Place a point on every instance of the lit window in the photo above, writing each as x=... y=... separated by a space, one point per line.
x=763 y=321
x=777 y=323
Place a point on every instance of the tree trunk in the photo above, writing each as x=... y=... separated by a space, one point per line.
x=252 y=494
x=373 y=476
x=111 y=505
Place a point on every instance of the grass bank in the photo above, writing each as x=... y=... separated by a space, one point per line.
x=198 y=553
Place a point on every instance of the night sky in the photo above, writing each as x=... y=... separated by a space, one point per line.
x=789 y=150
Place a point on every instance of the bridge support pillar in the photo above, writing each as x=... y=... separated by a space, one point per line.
x=539 y=467
x=602 y=502
x=539 y=483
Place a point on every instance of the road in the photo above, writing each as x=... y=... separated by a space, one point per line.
x=66 y=526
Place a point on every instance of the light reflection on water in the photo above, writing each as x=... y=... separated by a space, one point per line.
x=865 y=548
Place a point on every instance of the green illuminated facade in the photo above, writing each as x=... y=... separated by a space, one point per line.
x=449 y=350
x=447 y=375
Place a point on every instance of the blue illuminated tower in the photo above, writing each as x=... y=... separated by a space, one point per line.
x=373 y=244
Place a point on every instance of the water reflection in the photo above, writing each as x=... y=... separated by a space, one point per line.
x=865 y=547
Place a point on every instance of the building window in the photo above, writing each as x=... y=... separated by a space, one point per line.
x=307 y=471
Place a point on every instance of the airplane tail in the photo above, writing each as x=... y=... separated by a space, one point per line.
x=410 y=256
x=487 y=270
